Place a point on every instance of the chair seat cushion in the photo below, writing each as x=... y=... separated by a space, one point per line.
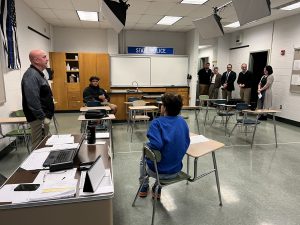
x=226 y=113
x=181 y=176
x=19 y=132
x=247 y=121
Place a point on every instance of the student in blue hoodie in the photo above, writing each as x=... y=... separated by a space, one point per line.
x=168 y=134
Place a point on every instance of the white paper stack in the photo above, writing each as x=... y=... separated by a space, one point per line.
x=60 y=139
x=198 y=139
x=54 y=190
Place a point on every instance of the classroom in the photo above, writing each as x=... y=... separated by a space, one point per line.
x=243 y=145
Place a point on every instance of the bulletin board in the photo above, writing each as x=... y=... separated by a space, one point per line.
x=295 y=77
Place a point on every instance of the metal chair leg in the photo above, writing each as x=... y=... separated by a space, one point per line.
x=141 y=185
x=217 y=177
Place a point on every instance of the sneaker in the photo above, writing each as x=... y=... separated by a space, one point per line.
x=158 y=193
x=144 y=191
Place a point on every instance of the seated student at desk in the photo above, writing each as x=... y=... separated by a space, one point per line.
x=94 y=93
x=168 y=134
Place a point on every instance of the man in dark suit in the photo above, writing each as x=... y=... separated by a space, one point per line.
x=227 y=82
x=204 y=79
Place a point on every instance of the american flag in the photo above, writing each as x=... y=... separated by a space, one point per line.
x=9 y=40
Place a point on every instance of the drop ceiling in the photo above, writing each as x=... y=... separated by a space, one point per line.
x=144 y=14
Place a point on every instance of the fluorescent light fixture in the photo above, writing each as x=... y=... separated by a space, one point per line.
x=169 y=20
x=195 y=2
x=203 y=46
x=87 y=16
x=292 y=6
x=233 y=25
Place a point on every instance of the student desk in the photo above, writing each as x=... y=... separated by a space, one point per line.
x=76 y=210
x=15 y=120
x=261 y=112
x=85 y=108
x=196 y=110
x=198 y=150
x=108 y=118
x=134 y=109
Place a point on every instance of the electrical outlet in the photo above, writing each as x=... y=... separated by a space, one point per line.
x=280 y=107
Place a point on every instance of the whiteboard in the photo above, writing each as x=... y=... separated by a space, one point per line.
x=169 y=70
x=125 y=70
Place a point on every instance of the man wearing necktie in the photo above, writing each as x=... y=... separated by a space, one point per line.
x=227 y=82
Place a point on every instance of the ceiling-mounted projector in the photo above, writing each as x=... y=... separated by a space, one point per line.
x=250 y=10
x=210 y=26
x=115 y=13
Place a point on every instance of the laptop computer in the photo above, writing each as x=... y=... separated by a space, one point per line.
x=65 y=156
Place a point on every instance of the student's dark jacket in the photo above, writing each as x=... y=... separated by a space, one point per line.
x=92 y=93
x=37 y=98
x=230 y=80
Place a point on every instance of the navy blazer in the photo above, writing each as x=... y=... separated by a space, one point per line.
x=230 y=80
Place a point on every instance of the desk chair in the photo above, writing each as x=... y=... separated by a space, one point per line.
x=202 y=101
x=242 y=121
x=155 y=156
x=22 y=131
x=223 y=111
x=137 y=115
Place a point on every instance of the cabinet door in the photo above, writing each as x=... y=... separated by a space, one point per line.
x=87 y=64
x=58 y=64
x=103 y=70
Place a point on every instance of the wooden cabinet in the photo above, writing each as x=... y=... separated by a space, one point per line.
x=120 y=98
x=71 y=76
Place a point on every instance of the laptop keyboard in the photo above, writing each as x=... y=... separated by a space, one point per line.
x=59 y=157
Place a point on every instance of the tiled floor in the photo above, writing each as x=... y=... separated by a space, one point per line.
x=260 y=186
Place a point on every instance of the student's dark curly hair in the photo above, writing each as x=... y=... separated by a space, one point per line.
x=94 y=78
x=173 y=103
x=269 y=69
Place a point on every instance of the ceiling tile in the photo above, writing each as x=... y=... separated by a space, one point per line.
x=86 y=5
x=66 y=14
x=185 y=21
x=143 y=26
x=87 y=24
x=159 y=8
x=201 y=12
x=45 y=13
x=72 y=23
x=181 y=10
x=137 y=6
x=36 y=4
x=53 y=21
x=133 y=18
x=60 y=4
x=152 y=19
x=159 y=27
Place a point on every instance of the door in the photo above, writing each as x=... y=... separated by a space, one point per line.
x=257 y=63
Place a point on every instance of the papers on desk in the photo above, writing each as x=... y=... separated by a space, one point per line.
x=105 y=187
x=47 y=176
x=7 y=194
x=36 y=159
x=198 y=139
x=102 y=135
x=54 y=190
x=97 y=142
x=60 y=139
x=47 y=191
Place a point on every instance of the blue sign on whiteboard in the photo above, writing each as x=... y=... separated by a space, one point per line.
x=147 y=50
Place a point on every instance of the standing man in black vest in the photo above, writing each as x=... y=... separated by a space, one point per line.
x=204 y=79
x=245 y=82
x=227 y=82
